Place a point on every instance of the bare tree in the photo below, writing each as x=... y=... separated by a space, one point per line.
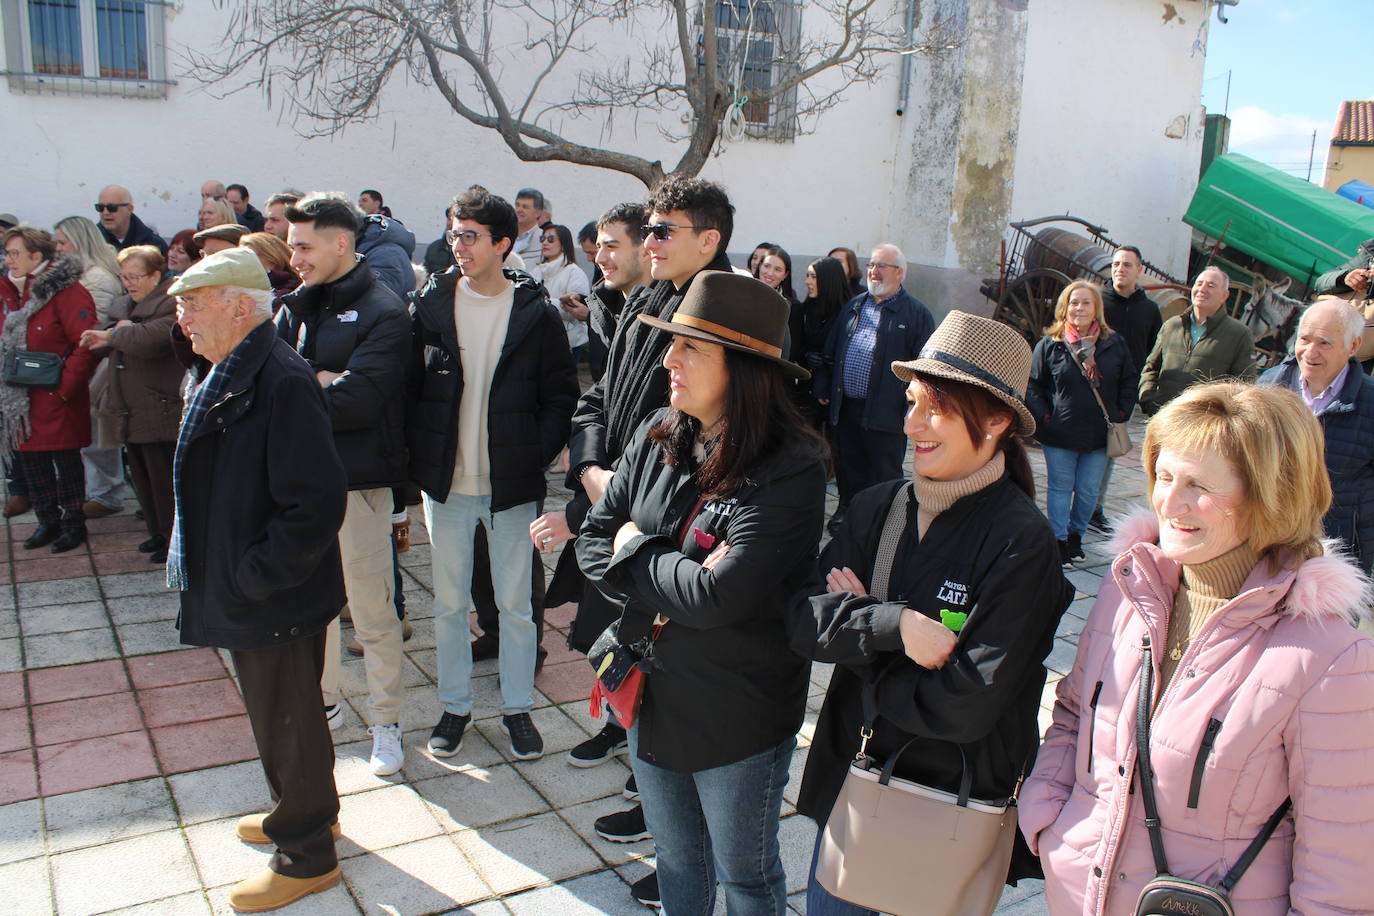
x=498 y=62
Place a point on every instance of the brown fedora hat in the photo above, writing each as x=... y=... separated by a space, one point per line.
x=734 y=311
x=980 y=352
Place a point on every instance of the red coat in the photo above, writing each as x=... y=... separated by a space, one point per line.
x=59 y=418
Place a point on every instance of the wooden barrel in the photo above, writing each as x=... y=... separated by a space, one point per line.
x=1171 y=301
x=1069 y=253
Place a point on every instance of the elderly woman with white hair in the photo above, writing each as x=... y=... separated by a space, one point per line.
x=866 y=403
x=1325 y=372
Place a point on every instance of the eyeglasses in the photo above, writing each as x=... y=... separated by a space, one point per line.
x=661 y=231
x=14 y=252
x=879 y=265
x=110 y=208
x=466 y=237
x=550 y=238
x=126 y=279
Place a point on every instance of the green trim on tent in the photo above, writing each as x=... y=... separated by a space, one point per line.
x=1281 y=220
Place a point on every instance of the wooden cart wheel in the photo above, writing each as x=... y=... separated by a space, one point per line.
x=1028 y=303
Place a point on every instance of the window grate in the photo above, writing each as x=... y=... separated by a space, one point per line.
x=55 y=36
x=86 y=47
x=756 y=41
x=122 y=33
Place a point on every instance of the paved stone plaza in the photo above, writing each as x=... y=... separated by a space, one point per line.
x=125 y=759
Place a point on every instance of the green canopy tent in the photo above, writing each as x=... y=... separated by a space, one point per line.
x=1297 y=227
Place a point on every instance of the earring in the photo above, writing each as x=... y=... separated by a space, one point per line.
x=988 y=436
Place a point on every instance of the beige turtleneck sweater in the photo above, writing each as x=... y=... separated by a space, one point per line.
x=935 y=496
x=1202 y=591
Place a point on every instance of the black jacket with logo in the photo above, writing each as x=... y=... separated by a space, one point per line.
x=724 y=684
x=992 y=556
x=263 y=495
x=530 y=400
x=357 y=326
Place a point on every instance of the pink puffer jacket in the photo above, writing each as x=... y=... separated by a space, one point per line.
x=1274 y=698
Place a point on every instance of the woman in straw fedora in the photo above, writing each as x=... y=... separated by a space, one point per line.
x=711 y=521
x=956 y=649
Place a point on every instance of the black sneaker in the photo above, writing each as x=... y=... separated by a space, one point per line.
x=1076 y=547
x=631 y=791
x=525 y=742
x=447 y=736
x=606 y=744
x=623 y=826
x=1099 y=523
x=1065 y=560
x=645 y=890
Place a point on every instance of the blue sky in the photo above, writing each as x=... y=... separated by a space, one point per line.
x=1291 y=66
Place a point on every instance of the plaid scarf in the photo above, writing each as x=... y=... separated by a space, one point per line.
x=205 y=396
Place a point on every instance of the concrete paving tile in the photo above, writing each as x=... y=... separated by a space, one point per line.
x=334 y=902
x=14 y=729
x=797 y=903
x=233 y=790
x=527 y=853
x=110 y=541
x=221 y=856
x=794 y=775
x=9 y=655
x=91 y=762
x=180 y=905
x=561 y=616
x=563 y=784
x=18 y=776
x=583 y=820
x=384 y=817
x=422 y=576
x=196 y=745
x=144 y=608
x=417 y=555
x=1069 y=627
x=27 y=890
x=1030 y=906
x=566 y=682
x=21 y=831
x=181 y=667
x=151 y=582
x=1086 y=582
x=62 y=618
x=580 y=712
x=146 y=638
x=124 y=521
x=107 y=814
x=422 y=636
x=69 y=648
x=123 y=873
x=428 y=876
x=476 y=753
x=190 y=702
x=1061 y=656
x=9 y=619
x=597 y=893
x=72 y=720
x=485 y=908
x=89 y=680
x=1024 y=889
x=73 y=565
x=122 y=561
x=797 y=840
x=59 y=591
x=7 y=602
x=477 y=797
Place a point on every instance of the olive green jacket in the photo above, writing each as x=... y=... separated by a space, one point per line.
x=1226 y=350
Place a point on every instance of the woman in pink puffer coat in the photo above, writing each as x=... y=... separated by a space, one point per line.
x=1264 y=689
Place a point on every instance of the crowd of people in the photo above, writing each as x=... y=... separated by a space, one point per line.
x=277 y=385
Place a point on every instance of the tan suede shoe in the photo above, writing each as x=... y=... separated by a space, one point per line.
x=250 y=829
x=268 y=890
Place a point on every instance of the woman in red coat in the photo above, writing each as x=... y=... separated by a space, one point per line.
x=46 y=309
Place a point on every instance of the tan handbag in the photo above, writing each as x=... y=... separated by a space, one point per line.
x=899 y=847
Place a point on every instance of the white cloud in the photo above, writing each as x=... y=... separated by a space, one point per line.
x=1281 y=140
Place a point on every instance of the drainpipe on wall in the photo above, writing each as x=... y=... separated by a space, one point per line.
x=904 y=91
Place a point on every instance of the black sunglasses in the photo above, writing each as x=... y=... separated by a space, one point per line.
x=661 y=231
x=109 y=208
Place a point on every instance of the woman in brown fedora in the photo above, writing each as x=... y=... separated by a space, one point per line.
x=709 y=523
x=954 y=648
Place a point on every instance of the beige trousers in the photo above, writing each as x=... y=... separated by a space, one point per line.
x=365 y=543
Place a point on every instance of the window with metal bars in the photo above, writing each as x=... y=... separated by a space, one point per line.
x=756 y=46
x=94 y=46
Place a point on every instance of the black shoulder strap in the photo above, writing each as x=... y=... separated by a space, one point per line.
x=1247 y=858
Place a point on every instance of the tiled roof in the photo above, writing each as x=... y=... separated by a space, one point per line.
x=1354 y=123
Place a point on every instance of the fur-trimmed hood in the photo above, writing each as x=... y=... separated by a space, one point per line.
x=64 y=271
x=1331 y=585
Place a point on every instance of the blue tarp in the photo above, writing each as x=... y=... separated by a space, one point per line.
x=1358 y=191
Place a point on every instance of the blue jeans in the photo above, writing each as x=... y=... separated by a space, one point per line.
x=819 y=901
x=722 y=821
x=1073 y=482
x=452 y=525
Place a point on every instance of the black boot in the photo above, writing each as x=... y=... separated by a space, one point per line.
x=70 y=540
x=43 y=535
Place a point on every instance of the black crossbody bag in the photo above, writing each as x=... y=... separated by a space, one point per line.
x=1169 y=895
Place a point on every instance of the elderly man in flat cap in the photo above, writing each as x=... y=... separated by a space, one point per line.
x=260 y=495
x=218 y=238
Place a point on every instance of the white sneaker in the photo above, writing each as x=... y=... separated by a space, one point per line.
x=387 y=753
x=334 y=715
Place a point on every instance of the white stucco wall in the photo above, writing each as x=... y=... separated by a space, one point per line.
x=1103 y=81
x=853 y=182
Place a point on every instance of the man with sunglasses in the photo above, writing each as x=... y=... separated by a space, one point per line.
x=487 y=414
x=119 y=225
x=866 y=402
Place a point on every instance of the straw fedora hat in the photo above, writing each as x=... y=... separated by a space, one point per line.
x=980 y=352
x=734 y=311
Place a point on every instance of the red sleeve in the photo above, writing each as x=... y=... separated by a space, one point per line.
x=75 y=313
